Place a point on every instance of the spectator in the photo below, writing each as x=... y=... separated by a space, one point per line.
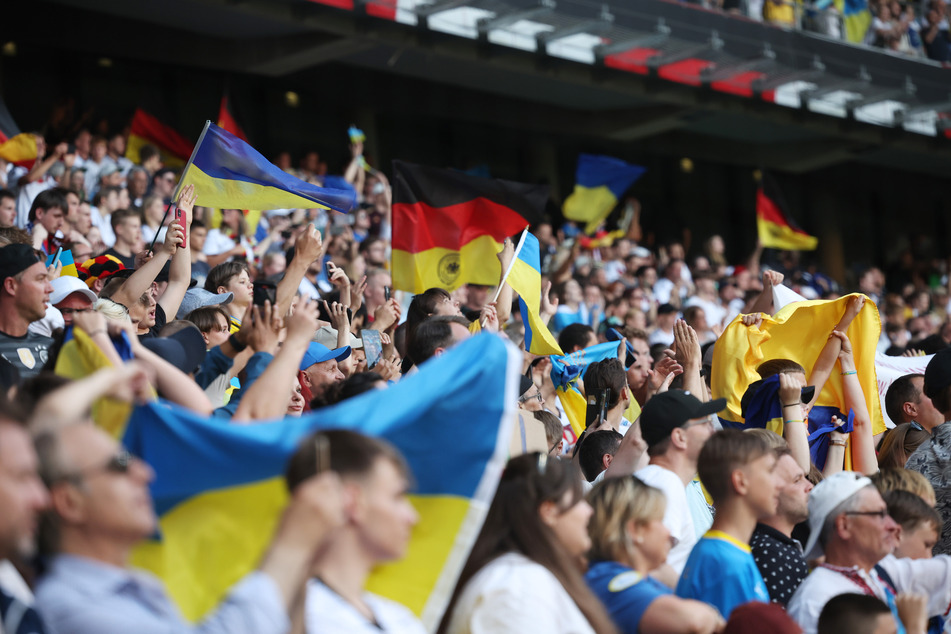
x=24 y=294
x=575 y=337
x=628 y=541
x=46 y=218
x=127 y=227
x=8 y=208
x=71 y=296
x=595 y=452
x=853 y=613
x=906 y=402
x=919 y=524
x=554 y=432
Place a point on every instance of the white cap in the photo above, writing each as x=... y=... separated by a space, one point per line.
x=327 y=336
x=66 y=285
x=827 y=495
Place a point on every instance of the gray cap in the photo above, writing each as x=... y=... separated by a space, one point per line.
x=199 y=298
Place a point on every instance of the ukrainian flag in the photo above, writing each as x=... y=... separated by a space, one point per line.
x=566 y=372
x=798 y=332
x=525 y=278
x=219 y=488
x=230 y=174
x=66 y=259
x=600 y=183
x=856 y=18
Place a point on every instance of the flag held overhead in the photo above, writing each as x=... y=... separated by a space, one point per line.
x=600 y=183
x=230 y=174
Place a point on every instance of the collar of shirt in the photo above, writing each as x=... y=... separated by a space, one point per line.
x=100 y=579
x=772 y=533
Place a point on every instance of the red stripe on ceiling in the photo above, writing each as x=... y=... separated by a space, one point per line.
x=770 y=96
x=686 y=71
x=634 y=60
x=385 y=9
x=337 y=4
x=740 y=84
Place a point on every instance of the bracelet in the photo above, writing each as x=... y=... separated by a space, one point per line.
x=237 y=345
x=795 y=421
x=792 y=404
x=838 y=443
x=95 y=332
x=849 y=373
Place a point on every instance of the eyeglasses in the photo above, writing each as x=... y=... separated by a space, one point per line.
x=880 y=514
x=706 y=420
x=537 y=396
x=120 y=463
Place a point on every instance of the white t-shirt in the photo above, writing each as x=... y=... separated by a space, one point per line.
x=513 y=594
x=327 y=611
x=677 y=517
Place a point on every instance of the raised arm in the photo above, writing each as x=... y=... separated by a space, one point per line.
x=688 y=356
x=503 y=305
x=795 y=429
x=308 y=249
x=863 y=446
x=180 y=271
x=140 y=281
x=830 y=352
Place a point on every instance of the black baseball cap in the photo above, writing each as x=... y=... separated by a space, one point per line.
x=937 y=374
x=16 y=258
x=672 y=409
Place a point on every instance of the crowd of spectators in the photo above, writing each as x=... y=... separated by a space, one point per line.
x=657 y=518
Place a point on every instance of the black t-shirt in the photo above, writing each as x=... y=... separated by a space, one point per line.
x=127 y=261
x=28 y=353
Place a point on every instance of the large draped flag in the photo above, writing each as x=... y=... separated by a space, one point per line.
x=600 y=183
x=147 y=129
x=20 y=149
x=230 y=174
x=219 y=488
x=449 y=226
x=525 y=278
x=798 y=332
x=566 y=372
x=775 y=228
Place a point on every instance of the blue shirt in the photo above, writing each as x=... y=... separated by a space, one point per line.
x=722 y=572
x=624 y=592
x=83 y=596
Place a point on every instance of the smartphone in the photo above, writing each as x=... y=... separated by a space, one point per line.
x=387 y=292
x=180 y=219
x=56 y=257
x=264 y=291
x=372 y=347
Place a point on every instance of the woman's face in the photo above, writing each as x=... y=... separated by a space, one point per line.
x=446 y=306
x=652 y=540
x=218 y=334
x=296 y=405
x=571 y=526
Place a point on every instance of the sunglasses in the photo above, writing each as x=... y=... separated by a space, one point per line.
x=120 y=463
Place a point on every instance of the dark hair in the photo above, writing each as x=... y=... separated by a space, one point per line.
x=354 y=385
x=606 y=374
x=147 y=152
x=6 y=193
x=34 y=389
x=901 y=391
x=206 y=317
x=222 y=274
x=513 y=524
x=592 y=450
x=422 y=306
x=197 y=224
x=46 y=200
x=723 y=453
x=909 y=510
x=898 y=444
x=351 y=455
x=851 y=614
x=433 y=332
x=574 y=336
x=104 y=193
x=121 y=215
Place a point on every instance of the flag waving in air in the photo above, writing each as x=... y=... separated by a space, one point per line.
x=600 y=183
x=147 y=129
x=448 y=226
x=525 y=278
x=775 y=228
x=230 y=174
x=219 y=489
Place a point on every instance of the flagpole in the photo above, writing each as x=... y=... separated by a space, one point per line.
x=191 y=159
x=518 y=249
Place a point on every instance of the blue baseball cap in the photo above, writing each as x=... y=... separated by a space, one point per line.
x=318 y=353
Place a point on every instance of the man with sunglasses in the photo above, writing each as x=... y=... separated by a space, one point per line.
x=849 y=525
x=101 y=509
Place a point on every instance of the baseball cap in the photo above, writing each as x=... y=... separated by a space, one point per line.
x=669 y=410
x=66 y=285
x=327 y=337
x=318 y=353
x=108 y=170
x=937 y=374
x=827 y=495
x=199 y=298
x=16 y=258
x=185 y=349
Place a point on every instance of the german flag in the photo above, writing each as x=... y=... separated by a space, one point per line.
x=776 y=229
x=175 y=148
x=226 y=120
x=449 y=226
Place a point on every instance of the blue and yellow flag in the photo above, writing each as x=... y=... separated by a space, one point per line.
x=230 y=174
x=600 y=184
x=219 y=488
x=856 y=18
x=66 y=259
x=798 y=332
x=566 y=372
x=525 y=278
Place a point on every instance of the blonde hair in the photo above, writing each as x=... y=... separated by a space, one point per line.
x=616 y=502
x=897 y=479
x=111 y=309
x=774 y=440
